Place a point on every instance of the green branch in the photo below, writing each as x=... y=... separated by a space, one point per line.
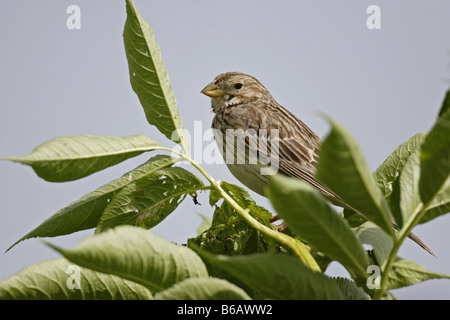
x=397 y=243
x=295 y=246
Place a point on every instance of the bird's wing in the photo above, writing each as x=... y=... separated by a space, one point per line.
x=292 y=169
x=298 y=149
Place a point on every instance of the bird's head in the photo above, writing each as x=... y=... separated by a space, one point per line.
x=234 y=88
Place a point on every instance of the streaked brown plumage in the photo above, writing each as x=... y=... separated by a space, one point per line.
x=240 y=101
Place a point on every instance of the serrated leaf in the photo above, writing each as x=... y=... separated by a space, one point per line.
x=242 y=197
x=73 y=157
x=435 y=155
x=262 y=215
x=62 y=280
x=85 y=213
x=149 y=77
x=277 y=276
x=381 y=243
x=406 y=273
x=410 y=202
x=349 y=290
x=230 y=237
x=137 y=255
x=390 y=169
x=203 y=289
x=387 y=176
x=150 y=199
x=308 y=214
x=353 y=218
x=409 y=207
x=440 y=206
x=229 y=233
x=343 y=169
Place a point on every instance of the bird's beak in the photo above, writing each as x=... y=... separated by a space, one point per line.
x=213 y=91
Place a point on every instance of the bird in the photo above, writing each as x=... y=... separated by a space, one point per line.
x=244 y=108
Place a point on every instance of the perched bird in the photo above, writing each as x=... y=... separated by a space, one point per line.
x=244 y=109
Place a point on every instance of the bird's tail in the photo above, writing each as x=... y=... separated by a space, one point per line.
x=339 y=202
x=417 y=240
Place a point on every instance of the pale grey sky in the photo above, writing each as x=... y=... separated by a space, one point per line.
x=314 y=56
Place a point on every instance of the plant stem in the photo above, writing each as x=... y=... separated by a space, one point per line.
x=298 y=248
x=397 y=243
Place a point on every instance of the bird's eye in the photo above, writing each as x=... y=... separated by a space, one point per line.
x=238 y=85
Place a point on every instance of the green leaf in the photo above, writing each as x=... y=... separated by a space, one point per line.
x=343 y=169
x=265 y=241
x=349 y=290
x=353 y=218
x=205 y=225
x=243 y=199
x=276 y=276
x=389 y=171
x=440 y=206
x=74 y=157
x=435 y=155
x=410 y=208
x=381 y=243
x=62 y=280
x=445 y=105
x=137 y=255
x=410 y=202
x=406 y=273
x=150 y=199
x=203 y=289
x=85 y=213
x=229 y=233
x=308 y=214
x=149 y=77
